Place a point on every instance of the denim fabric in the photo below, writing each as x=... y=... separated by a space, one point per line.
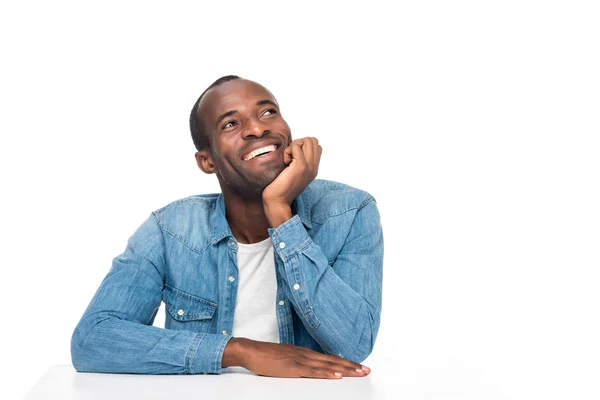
x=328 y=260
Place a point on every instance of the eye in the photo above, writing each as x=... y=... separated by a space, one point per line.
x=229 y=124
x=270 y=111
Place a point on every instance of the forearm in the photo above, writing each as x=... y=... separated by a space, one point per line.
x=340 y=305
x=115 y=333
x=343 y=321
x=277 y=213
x=109 y=342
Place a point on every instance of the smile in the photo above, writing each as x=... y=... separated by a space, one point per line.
x=260 y=152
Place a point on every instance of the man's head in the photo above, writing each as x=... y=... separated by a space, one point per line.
x=240 y=135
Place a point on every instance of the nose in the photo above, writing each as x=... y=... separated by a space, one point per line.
x=254 y=128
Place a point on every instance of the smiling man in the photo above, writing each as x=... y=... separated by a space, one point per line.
x=280 y=273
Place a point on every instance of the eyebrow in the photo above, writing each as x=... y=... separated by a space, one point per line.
x=231 y=112
x=223 y=116
x=263 y=102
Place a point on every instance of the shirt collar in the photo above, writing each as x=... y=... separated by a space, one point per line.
x=300 y=206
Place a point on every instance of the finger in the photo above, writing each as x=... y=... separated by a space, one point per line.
x=308 y=149
x=312 y=152
x=329 y=357
x=317 y=153
x=294 y=151
x=334 y=367
x=299 y=142
x=288 y=155
x=318 y=373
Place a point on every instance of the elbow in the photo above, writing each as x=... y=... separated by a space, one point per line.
x=83 y=355
x=79 y=352
x=360 y=353
x=78 y=356
x=356 y=350
x=366 y=341
x=77 y=349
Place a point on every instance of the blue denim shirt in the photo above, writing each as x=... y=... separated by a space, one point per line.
x=328 y=261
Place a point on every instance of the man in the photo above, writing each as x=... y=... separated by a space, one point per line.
x=280 y=274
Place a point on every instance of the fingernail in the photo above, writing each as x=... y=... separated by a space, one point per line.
x=338 y=374
x=359 y=370
x=366 y=369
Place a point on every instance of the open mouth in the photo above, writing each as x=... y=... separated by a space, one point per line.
x=260 y=152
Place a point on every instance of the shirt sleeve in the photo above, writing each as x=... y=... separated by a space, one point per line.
x=115 y=333
x=340 y=305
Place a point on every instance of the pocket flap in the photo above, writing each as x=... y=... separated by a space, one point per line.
x=186 y=307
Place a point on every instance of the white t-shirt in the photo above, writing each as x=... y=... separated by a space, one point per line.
x=255 y=314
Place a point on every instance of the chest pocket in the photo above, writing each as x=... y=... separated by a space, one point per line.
x=186 y=311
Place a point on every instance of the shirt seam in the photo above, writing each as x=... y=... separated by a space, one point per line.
x=185 y=244
x=192 y=351
x=336 y=213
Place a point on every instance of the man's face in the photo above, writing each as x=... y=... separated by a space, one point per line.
x=247 y=135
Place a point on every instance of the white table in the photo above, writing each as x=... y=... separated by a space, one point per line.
x=389 y=379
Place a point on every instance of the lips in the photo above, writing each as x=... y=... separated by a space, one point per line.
x=259 y=151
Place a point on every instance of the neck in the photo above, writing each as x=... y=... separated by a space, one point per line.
x=246 y=218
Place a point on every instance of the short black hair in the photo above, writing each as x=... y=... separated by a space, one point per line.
x=196 y=126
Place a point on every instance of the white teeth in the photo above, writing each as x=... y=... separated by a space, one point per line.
x=254 y=153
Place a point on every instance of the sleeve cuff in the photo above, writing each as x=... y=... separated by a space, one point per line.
x=206 y=353
x=289 y=238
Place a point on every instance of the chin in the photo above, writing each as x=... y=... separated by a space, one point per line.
x=259 y=183
x=264 y=181
x=251 y=186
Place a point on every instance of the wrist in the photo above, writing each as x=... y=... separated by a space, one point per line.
x=233 y=356
x=277 y=213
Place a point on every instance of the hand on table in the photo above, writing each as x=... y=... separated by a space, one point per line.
x=287 y=361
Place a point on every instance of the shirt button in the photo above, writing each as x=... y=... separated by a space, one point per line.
x=281 y=302
x=296 y=286
x=231 y=279
x=180 y=312
x=231 y=244
x=282 y=245
x=224 y=332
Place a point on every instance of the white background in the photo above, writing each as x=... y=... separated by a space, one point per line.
x=474 y=124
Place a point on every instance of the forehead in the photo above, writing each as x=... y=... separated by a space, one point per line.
x=233 y=95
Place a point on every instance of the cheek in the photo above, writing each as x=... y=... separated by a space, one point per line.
x=284 y=128
x=229 y=160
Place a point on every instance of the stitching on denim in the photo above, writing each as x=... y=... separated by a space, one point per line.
x=192 y=199
x=108 y=315
x=190 y=316
x=346 y=242
x=162 y=237
x=184 y=243
x=179 y=292
x=192 y=350
x=368 y=199
x=304 y=245
x=288 y=225
x=312 y=320
x=335 y=214
x=334 y=185
x=302 y=299
x=219 y=355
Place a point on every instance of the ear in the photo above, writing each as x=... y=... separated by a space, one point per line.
x=205 y=161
